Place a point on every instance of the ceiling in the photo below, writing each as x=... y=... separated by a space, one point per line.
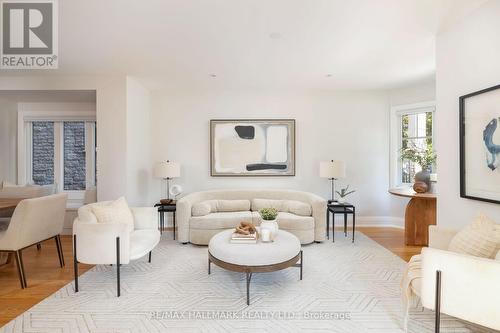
x=303 y=44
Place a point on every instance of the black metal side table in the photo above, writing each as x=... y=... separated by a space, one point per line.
x=166 y=208
x=345 y=209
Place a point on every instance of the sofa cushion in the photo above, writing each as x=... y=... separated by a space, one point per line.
x=201 y=209
x=222 y=220
x=218 y=206
x=289 y=221
x=481 y=238
x=286 y=206
x=142 y=242
x=114 y=212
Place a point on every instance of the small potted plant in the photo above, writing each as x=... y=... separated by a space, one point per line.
x=343 y=193
x=268 y=216
x=423 y=157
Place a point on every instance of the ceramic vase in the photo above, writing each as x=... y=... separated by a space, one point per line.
x=270 y=225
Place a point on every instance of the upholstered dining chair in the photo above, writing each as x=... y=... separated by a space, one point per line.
x=34 y=221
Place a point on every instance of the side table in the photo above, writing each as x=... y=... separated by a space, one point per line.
x=166 y=208
x=345 y=209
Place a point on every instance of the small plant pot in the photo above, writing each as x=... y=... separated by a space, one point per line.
x=341 y=200
x=270 y=225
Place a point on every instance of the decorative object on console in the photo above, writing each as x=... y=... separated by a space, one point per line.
x=332 y=170
x=167 y=170
x=252 y=147
x=420 y=187
x=343 y=193
x=425 y=157
x=175 y=191
x=479 y=137
x=269 y=216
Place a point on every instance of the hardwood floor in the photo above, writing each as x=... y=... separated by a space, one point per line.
x=44 y=277
x=392 y=239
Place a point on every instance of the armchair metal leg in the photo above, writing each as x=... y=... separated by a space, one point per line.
x=118 y=266
x=149 y=259
x=20 y=269
x=59 y=250
x=437 y=306
x=75 y=264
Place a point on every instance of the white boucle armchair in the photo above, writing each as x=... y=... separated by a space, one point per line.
x=459 y=285
x=113 y=243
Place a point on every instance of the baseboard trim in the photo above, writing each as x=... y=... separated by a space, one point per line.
x=373 y=221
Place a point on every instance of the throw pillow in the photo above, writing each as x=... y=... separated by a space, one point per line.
x=481 y=238
x=200 y=209
x=233 y=205
x=114 y=212
x=298 y=208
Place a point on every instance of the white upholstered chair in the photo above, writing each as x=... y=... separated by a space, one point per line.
x=459 y=285
x=98 y=243
x=34 y=221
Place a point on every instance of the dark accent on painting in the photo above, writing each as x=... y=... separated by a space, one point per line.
x=487 y=138
x=265 y=166
x=245 y=132
x=493 y=148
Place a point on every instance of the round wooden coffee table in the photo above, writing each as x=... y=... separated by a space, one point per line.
x=260 y=257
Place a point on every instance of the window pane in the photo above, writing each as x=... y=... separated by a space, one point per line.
x=417 y=125
x=74 y=155
x=43 y=152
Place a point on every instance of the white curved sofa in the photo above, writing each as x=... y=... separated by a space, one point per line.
x=301 y=213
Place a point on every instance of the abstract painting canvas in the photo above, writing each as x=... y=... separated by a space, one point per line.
x=480 y=145
x=252 y=147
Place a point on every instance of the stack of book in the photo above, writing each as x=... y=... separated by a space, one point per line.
x=244 y=239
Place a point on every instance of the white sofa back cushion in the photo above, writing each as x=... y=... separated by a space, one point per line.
x=114 y=212
x=481 y=238
x=286 y=206
x=219 y=206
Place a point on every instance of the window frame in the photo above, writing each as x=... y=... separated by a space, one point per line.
x=24 y=170
x=396 y=114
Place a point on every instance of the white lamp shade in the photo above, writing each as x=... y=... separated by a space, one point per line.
x=167 y=170
x=332 y=169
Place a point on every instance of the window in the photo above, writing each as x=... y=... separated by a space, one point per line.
x=59 y=154
x=411 y=127
x=58 y=148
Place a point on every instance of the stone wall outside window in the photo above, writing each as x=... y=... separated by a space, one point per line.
x=43 y=152
x=74 y=155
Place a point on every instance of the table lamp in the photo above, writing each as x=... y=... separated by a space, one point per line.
x=167 y=170
x=332 y=170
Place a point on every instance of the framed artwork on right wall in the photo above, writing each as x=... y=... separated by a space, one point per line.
x=480 y=145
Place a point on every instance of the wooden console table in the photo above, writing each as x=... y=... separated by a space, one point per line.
x=419 y=215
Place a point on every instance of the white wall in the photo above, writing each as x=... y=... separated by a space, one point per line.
x=138 y=144
x=347 y=126
x=111 y=122
x=9 y=105
x=467 y=60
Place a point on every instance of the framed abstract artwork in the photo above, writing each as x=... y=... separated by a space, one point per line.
x=252 y=147
x=480 y=145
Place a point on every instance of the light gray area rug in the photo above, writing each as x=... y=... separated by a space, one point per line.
x=346 y=288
